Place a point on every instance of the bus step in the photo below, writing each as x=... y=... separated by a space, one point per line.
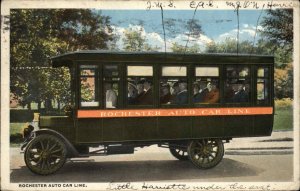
x=111 y=150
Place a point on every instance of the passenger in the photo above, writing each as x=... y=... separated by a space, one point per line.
x=229 y=93
x=111 y=96
x=165 y=94
x=202 y=86
x=182 y=96
x=132 y=93
x=140 y=91
x=203 y=91
x=213 y=94
x=140 y=87
x=175 y=90
x=147 y=98
x=241 y=95
x=197 y=95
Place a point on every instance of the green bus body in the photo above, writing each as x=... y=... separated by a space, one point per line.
x=89 y=131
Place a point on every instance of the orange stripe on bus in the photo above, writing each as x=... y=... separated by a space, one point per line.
x=174 y=112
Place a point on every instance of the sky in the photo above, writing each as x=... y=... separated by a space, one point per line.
x=216 y=25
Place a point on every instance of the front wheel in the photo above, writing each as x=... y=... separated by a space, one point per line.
x=45 y=154
x=206 y=153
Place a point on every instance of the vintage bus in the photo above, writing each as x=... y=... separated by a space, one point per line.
x=188 y=103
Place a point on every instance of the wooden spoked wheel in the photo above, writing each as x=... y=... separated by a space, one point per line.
x=45 y=154
x=206 y=153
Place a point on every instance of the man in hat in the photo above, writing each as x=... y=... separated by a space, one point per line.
x=140 y=91
x=197 y=94
x=146 y=97
x=182 y=96
x=165 y=95
x=175 y=90
x=132 y=93
x=241 y=96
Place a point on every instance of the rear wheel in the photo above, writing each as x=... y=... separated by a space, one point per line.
x=45 y=154
x=206 y=153
x=180 y=154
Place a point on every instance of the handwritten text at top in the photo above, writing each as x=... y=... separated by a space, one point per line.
x=215 y=4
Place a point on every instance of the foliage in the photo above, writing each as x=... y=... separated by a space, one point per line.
x=135 y=41
x=38 y=34
x=86 y=90
x=281 y=54
x=229 y=46
x=278 y=28
x=283 y=82
x=285 y=103
x=183 y=49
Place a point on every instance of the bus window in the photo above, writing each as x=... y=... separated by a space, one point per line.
x=206 y=85
x=237 y=84
x=111 y=85
x=88 y=84
x=174 y=85
x=262 y=85
x=139 y=84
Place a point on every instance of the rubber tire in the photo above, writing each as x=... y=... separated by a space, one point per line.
x=218 y=158
x=33 y=144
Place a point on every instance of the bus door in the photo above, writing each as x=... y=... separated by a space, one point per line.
x=100 y=101
x=112 y=102
x=89 y=127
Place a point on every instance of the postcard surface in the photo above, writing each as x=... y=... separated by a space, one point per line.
x=149 y=95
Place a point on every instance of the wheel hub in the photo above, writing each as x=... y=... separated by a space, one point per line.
x=205 y=150
x=44 y=154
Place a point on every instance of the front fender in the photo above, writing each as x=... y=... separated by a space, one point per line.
x=27 y=140
x=72 y=152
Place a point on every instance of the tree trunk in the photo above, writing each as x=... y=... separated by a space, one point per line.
x=39 y=106
x=29 y=106
x=58 y=104
x=48 y=104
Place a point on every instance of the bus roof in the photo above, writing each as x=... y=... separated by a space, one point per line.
x=68 y=59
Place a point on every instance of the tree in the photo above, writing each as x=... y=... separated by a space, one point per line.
x=135 y=41
x=182 y=49
x=283 y=82
x=36 y=35
x=229 y=46
x=278 y=28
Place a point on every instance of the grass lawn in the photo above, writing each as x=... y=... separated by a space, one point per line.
x=16 y=136
x=283 y=119
x=17 y=127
